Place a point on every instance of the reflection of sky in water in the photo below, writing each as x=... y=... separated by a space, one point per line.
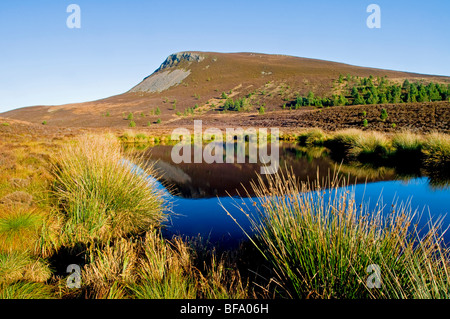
x=207 y=218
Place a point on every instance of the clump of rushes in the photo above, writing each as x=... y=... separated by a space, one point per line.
x=408 y=148
x=19 y=227
x=164 y=271
x=342 y=142
x=26 y=290
x=436 y=152
x=320 y=243
x=151 y=267
x=141 y=136
x=110 y=269
x=101 y=193
x=17 y=266
x=371 y=146
x=352 y=144
x=312 y=137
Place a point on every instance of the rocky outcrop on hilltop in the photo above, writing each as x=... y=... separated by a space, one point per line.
x=174 y=59
x=165 y=77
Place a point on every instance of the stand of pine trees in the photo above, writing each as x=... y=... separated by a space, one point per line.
x=369 y=91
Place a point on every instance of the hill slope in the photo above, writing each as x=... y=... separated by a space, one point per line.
x=197 y=79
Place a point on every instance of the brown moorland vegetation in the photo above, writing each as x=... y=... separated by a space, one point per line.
x=268 y=81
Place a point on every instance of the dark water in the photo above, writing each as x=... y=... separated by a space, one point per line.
x=200 y=189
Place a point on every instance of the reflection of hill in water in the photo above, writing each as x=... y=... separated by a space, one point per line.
x=210 y=180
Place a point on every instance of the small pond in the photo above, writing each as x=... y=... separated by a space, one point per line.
x=199 y=189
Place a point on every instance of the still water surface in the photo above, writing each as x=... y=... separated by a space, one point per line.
x=198 y=190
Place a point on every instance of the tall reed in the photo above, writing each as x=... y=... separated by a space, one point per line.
x=321 y=243
x=101 y=193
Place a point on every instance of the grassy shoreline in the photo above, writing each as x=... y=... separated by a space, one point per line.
x=403 y=149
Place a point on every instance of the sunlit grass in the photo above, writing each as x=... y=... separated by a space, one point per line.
x=312 y=137
x=99 y=202
x=19 y=229
x=354 y=144
x=165 y=271
x=436 y=150
x=320 y=243
x=101 y=194
x=152 y=267
x=21 y=266
x=26 y=290
x=407 y=142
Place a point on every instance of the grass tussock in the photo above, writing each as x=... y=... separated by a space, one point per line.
x=320 y=243
x=26 y=290
x=155 y=268
x=314 y=137
x=436 y=150
x=371 y=145
x=102 y=193
x=110 y=269
x=165 y=271
x=20 y=228
x=355 y=145
x=407 y=142
x=21 y=266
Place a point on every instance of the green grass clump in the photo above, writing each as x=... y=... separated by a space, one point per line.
x=140 y=136
x=151 y=267
x=110 y=269
x=408 y=147
x=436 y=152
x=17 y=266
x=312 y=137
x=26 y=290
x=342 y=142
x=371 y=146
x=320 y=243
x=19 y=229
x=353 y=144
x=164 y=272
x=99 y=192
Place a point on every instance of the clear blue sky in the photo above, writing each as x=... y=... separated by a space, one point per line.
x=120 y=42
